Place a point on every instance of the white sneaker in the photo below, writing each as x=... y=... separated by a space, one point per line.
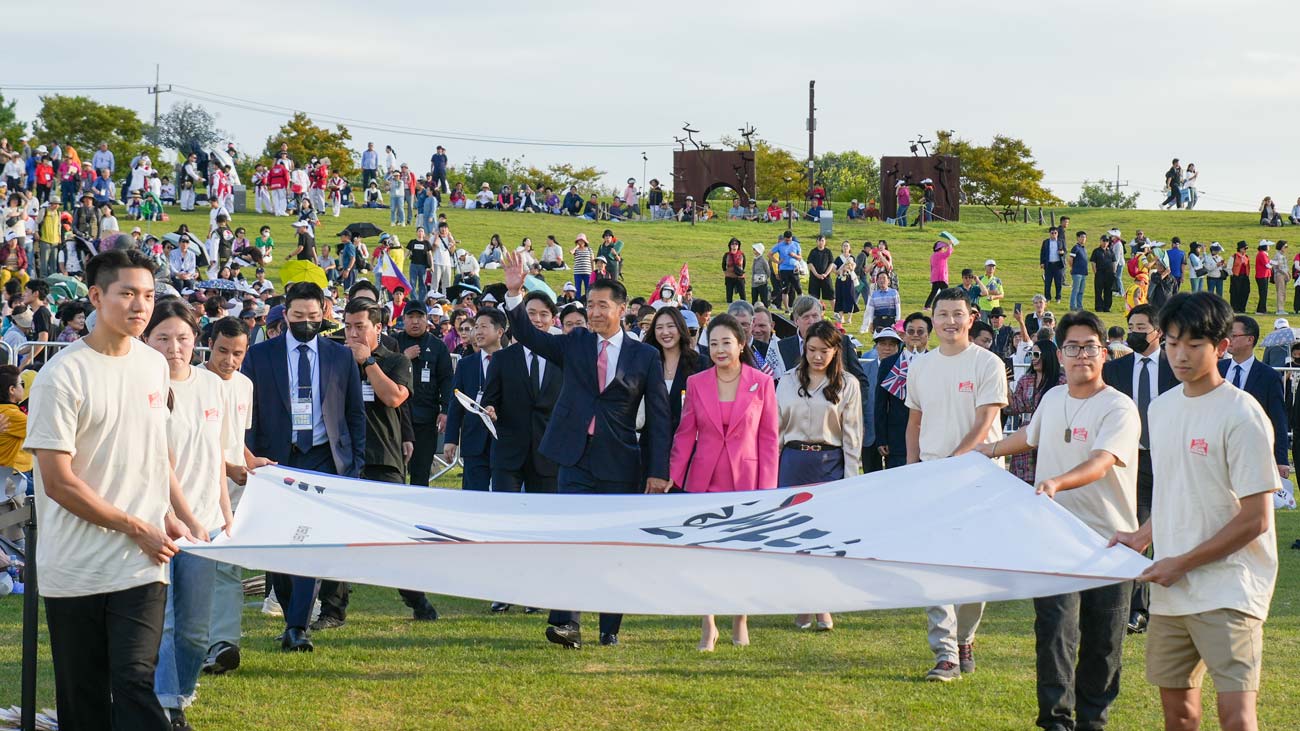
x=315 y=611
x=271 y=606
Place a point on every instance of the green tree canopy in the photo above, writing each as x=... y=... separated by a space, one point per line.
x=186 y=126
x=779 y=175
x=1002 y=173
x=10 y=128
x=1101 y=194
x=84 y=123
x=849 y=175
x=306 y=140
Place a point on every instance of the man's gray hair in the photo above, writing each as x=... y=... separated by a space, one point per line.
x=805 y=304
x=740 y=307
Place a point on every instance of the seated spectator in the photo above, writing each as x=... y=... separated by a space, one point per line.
x=506 y=198
x=1295 y=213
x=872 y=211
x=855 y=212
x=374 y=197
x=591 y=211
x=736 y=212
x=1268 y=215
x=751 y=211
x=687 y=213
x=552 y=255
x=774 y=212
x=618 y=211
x=466 y=268
x=815 y=212
x=705 y=212
x=527 y=199
x=572 y=205
x=458 y=196
x=492 y=254
x=664 y=212
x=551 y=202
x=485 y=199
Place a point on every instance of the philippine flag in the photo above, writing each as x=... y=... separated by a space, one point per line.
x=390 y=277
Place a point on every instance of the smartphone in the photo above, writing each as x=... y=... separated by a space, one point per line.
x=1019 y=307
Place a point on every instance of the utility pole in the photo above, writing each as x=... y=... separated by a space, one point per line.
x=812 y=131
x=1118 y=184
x=155 y=90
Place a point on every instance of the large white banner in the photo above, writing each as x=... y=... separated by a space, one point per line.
x=955 y=531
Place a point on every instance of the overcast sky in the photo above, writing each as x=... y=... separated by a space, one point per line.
x=1088 y=86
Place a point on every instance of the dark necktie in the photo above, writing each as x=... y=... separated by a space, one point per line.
x=303 y=438
x=534 y=373
x=1144 y=400
x=1236 y=376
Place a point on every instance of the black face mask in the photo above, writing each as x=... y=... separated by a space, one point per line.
x=1139 y=342
x=305 y=331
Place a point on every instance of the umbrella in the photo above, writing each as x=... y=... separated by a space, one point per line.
x=363 y=230
x=303 y=271
x=782 y=326
x=537 y=284
x=224 y=159
x=496 y=289
x=456 y=291
x=225 y=284
x=68 y=287
x=1282 y=336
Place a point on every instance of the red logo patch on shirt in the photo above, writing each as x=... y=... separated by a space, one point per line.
x=966 y=387
x=1200 y=446
x=156 y=400
x=211 y=414
x=1080 y=434
x=242 y=408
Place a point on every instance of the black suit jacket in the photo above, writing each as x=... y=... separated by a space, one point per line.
x=613 y=454
x=465 y=429
x=1118 y=374
x=891 y=413
x=1266 y=386
x=790 y=350
x=523 y=410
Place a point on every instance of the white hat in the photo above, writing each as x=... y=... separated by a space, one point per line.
x=1265 y=242
x=569 y=287
x=461 y=252
x=301 y=224
x=489 y=297
x=926 y=181
x=11 y=235
x=990 y=263
x=1114 y=233
x=897 y=183
x=1281 y=324
x=758 y=248
x=1157 y=244
x=888 y=332
x=485 y=185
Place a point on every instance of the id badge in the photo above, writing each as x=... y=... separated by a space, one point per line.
x=367 y=392
x=425 y=375
x=302 y=415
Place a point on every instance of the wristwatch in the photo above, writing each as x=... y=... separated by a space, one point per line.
x=368 y=362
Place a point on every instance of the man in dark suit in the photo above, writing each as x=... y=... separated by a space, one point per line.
x=1243 y=371
x=1051 y=259
x=307 y=413
x=463 y=428
x=890 y=414
x=592 y=432
x=522 y=388
x=1141 y=375
x=808 y=310
x=432 y=373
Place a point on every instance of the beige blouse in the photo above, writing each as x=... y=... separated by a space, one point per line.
x=814 y=419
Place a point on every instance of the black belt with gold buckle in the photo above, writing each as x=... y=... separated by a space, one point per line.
x=810 y=446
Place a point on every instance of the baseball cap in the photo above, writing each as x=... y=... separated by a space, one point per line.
x=887 y=333
x=275 y=315
x=692 y=321
x=990 y=263
x=415 y=308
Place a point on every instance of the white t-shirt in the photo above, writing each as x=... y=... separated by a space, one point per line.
x=110 y=414
x=195 y=437
x=1207 y=453
x=1107 y=422
x=948 y=389
x=239 y=405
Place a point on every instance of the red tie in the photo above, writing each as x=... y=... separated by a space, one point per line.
x=602 y=365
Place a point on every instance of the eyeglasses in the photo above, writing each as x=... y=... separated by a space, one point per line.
x=1091 y=350
x=918 y=333
x=1034 y=354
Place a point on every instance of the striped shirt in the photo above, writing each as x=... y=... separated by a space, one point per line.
x=582 y=260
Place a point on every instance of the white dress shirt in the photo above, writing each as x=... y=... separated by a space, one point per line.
x=541 y=364
x=1153 y=373
x=1245 y=371
x=318 y=434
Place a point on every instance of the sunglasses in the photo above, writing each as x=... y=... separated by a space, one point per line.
x=1035 y=354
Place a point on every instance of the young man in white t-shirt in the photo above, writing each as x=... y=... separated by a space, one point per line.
x=1087 y=440
x=229 y=346
x=109 y=504
x=1212 y=524
x=954 y=396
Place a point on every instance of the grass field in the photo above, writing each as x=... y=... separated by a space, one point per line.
x=474 y=670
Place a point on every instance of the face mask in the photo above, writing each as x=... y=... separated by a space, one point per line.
x=1139 y=342
x=303 y=332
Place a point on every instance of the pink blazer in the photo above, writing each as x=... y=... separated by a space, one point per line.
x=750 y=445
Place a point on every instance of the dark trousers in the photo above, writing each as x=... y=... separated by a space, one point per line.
x=1088 y=625
x=580 y=480
x=1261 y=285
x=790 y=286
x=297 y=594
x=935 y=288
x=524 y=479
x=871 y=460
x=735 y=288
x=334 y=595
x=1239 y=291
x=1102 y=293
x=895 y=460
x=1053 y=274
x=105 y=652
x=1295 y=303
x=366 y=177
x=477 y=474
x=759 y=293
x=1141 y=600
x=425 y=448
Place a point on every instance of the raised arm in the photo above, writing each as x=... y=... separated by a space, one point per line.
x=550 y=347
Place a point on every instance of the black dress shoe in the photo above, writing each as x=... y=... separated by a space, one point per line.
x=178 y=721
x=499 y=607
x=1137 y=623
x=608 y=639
x=326 y=621
x=426 y=613
x=297 y=639
x=565 y=635
x=535 y=610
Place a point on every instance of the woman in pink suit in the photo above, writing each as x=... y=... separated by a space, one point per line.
x=728 y=436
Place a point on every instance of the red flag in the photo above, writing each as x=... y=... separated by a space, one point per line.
x=684 y=279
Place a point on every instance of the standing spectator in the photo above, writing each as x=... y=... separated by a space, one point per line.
x=990 y=285
x=1091 y=472
x=36 y=295
x=884 y=306
x=1051 y=259
x=1239 y=287
x=846 y=282
x=466 y=432
x=904 y=197
x=789 y=255
x=1043 y=375
x=1244 y=372
x=728 y=436
x=369 y=164
x=582 y=265
x=349 y=260
x=1176 y=260
x=438 y=166
x=612 y=249
x=1263 y=273
x=820 y=406
x=104 y=569
x=1197 y=266
x=396 y=197
x=733 y=270
x=1189 y=187
x=670 y=335
x=1216 y=548
x=103 y=159
x=604 y=397
x=1078 y=270
x=1280 y=264
x=1103 y=275
x=1173 y=182
x=431 y=397
x=1142 y=375
x=938 y=269
x=761 y=277
x=655 y=198
x=954 y=395
x=421 y=249
x=277 y=179
x=1217 y=271
x=190 y=179
x=323 y=430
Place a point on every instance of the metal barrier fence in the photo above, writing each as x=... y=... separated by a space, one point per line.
x=13 y=356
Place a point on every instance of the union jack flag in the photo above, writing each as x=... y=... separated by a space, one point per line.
x=896 y=382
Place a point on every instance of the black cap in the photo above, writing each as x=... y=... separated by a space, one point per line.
x=997 y=312
x=608 y=232
x=413 y=308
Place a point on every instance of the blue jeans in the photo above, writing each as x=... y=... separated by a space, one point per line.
x=28 y=247
x=1076 y=291
x=1198 y=283
x=395 y=213
x=184 y=644
x=418 y=287
x=901 y=220
x=581 y=282
x=1215 y=285
x=225 y=624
